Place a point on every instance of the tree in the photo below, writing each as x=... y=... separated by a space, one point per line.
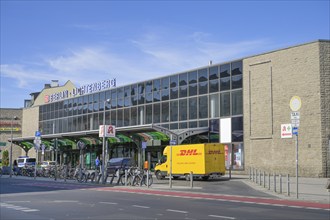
x=5 y=158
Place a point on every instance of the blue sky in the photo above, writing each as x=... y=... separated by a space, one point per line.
x=132 y=41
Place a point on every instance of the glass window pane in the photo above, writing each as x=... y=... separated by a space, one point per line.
x=225 y=104
x=214 y=85
x=120 y=118
x=236 y=82
x=183 y=108
x=174 y=126
x=141 y=115
x=174 y=93
x=238 y=160
x=120 y=103
x=156 y=96
x=237 y=129
x=148 y=86
x=126 y=116
x=224 y=83
x=156 y=113
x=165 y=82
x=237 y=102
x=174 y=110
x=113 y=117
x=148 y=97
x=203 y=107
x=203 y=123
x=214 y=72
x=141 y=88
x=183 y=125
x=165 y=94
x=127 y=91
x=165 y=112
x=149 y=114
x=203 y=87
x=141 y=99
x=134 y=100
x=192 y=77
x=120 y=92
x=225 y=70
x=174 y=81
x=156 y=84
x=236 y=68
x=183 y=79
x=214 y=106
x=192 y=108
x=113 y=94
x=134 y=117
x=202 y=75
x=183 y=91
x=193 y=89
x=128 y=102
x=134 y=89
x=193 y=124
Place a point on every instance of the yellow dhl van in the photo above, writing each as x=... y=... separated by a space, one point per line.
x=204 y=160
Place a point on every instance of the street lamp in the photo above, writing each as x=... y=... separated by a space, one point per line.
x=11 y=147
x=103 y=141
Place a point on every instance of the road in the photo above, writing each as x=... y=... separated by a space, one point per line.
x=33 y=199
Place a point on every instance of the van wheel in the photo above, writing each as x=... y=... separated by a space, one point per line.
x=159 y=175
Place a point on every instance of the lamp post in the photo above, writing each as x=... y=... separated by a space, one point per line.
x=103 y=142
x=11 y=147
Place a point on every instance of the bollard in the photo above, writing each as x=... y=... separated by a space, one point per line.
x=256 y=176
x=264 y=182
x=268 y=181
x=274 y=182
x=147 y=178
x=125 y=177
x=288 y=184
x=252 y=174
x=280 y=184
x=191 y=179
x=250 y=178
x=260 y=177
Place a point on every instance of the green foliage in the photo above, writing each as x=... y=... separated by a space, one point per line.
x=5 y=158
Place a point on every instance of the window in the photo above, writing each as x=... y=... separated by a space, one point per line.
x=183 y=79
x=183 y=91
x=236 y=68
x=126 y=116
x=224 y=83
x=193 y=108
x=174 y=93
x=120 y=93
x=237 y=129
x=192 y=77
x=156 y=113
x=193 y=89
x=148 y=86
x=214 y=106
x=213 y=72
x=133 y=120
x=202 y=75
x=214 y=85
x=183 y=108
x=174 y=110
x=165 y=112
x=141 y=88
x=165 y=83
x=203 y=107
x=224 y=70
x=165 y=94
x=225 y=104
x=203 y=88
x=236 y=82
x=120 y=118
x=237 y=102
x=149 y=114
x=174 y=81
x=156 y=84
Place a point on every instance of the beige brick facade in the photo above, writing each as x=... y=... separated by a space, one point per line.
x=270 y=81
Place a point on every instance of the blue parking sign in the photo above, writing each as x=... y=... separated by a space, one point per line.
x=295 y=130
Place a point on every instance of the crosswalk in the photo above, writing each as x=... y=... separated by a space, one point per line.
x=17 y=207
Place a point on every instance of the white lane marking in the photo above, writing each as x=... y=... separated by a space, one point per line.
x=140 y=206
x=21 y=208
x=220 y=216
x=109 y=203
x=30 y=210
x=173 y=210
x=60 y=201
x=313 y=208
x=13 y=207
x=17 y=201
x=293 y=206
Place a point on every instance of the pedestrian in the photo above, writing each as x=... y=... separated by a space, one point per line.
x=97 y=163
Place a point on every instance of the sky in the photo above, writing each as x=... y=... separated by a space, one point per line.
x=133 y=41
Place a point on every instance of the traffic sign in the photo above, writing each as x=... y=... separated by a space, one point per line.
x=38 y=134
x=295 y=130
x=295 y=103
x=286 y=131
x=295 y=115
x=172 y=142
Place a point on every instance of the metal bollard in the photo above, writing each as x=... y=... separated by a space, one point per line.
x=148 y=178
x=125 y=177
x=252 y=174
x=268 y=181
x=191 y=180
x=274 y=182
x=280 y=184
x=264 y=182
x=250 y=177
x=288 y=182
x=260 y=177
x=256 y=176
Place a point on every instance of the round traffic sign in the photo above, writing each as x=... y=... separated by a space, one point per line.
x=295 y=103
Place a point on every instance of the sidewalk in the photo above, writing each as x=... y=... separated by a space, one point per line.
x=309 y=189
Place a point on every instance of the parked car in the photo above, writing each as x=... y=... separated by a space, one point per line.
x=25 y=161
x=120 y=163
x=48 y=163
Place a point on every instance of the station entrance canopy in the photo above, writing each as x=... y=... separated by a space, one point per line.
x=143 y=133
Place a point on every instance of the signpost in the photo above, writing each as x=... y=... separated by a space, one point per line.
x=295 y=105
x=172 y=142
x=37 y=143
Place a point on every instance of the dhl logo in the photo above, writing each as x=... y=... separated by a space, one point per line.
x=188 y=152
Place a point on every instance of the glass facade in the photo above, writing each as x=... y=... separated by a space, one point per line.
x=198 y=98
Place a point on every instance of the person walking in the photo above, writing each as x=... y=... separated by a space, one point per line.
x=97 y=163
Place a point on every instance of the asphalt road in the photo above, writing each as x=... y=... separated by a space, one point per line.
x=30 y=199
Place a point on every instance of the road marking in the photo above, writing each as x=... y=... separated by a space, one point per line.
x=220 y=216
x=109 y=203
x=140 y=206
x=30 y=210
x=17 y=201
x=60 y=201
x=173 y=210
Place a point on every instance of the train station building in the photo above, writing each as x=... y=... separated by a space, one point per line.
x=250 y=104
